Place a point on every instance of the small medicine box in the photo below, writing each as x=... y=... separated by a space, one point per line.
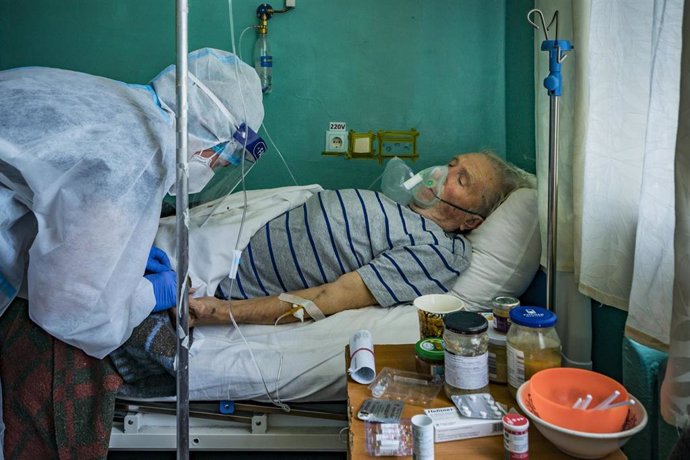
x=450 y=426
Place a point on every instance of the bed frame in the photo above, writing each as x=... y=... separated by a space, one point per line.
x=227 y=426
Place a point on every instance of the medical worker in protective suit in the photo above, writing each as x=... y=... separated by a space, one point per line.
x=84 y=165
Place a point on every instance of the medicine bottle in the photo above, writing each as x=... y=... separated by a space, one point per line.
x=498 y=361
x=532 y=344
x=466 y=355
x=515 y=437
x=501 y=307
x=429 y=357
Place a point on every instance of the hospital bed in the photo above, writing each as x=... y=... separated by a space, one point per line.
x=299 y=362
x=303 y=364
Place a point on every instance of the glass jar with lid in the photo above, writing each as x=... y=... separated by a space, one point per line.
x=501 y=307
x=429 y=357
x=532 y=344
x=498 y=362
x=466 y=356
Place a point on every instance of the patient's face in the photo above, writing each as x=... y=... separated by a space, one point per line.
x=470 y=176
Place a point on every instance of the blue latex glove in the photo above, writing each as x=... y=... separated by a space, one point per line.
x=164 y=289
x=158 y=261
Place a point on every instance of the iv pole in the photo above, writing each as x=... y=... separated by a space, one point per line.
x=553 y=83
x=182 y=232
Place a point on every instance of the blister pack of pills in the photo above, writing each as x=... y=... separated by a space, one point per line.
x=380 y=410
x=479 y=405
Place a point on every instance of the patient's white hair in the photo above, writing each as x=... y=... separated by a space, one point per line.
x=510 y=178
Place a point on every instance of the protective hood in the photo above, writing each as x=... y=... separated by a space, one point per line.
x=235 y=97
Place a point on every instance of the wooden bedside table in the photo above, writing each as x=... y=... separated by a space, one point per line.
x=491 y=447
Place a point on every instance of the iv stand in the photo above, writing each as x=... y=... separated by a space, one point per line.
x=553 y=83
x=182 y=232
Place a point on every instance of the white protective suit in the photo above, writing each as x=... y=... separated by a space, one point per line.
x=84 y=164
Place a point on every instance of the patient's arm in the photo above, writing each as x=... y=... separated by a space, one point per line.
x=346 y=293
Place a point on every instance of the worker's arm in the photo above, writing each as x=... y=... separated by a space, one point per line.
x=346 y=293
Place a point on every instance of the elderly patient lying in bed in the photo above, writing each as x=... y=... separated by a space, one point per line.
x=341 y=250
x=347 y=249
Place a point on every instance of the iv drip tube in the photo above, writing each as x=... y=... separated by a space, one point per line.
x=182 y=231
x=553 y=83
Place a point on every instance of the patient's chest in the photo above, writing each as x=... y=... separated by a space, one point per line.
x=332 y=233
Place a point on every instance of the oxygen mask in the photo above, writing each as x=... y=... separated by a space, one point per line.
x=427 y=186
x=403 y=186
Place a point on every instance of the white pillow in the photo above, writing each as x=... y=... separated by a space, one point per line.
x=505 y=252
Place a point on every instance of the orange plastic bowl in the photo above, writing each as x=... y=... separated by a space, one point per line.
x=579 y=444
x=554 y=392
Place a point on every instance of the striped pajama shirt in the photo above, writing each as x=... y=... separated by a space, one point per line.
x=399 y=254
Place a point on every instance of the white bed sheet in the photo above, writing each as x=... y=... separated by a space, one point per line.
x=312 y=354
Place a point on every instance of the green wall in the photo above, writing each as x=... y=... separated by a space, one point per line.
x=458 y=71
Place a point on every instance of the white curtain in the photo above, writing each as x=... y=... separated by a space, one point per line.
x=675 y=390
x=617 y=198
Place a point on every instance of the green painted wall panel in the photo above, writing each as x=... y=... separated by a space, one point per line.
x=519 y=57
x=442 y=67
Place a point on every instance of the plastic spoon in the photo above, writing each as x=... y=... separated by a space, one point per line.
x=586 y=402
x=604 y=404
x=629 y=402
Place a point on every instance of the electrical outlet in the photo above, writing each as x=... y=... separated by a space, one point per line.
x=336 y=137
x=336 y=141
x=290 y=3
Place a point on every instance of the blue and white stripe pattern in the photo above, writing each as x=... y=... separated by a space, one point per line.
x=399 y=254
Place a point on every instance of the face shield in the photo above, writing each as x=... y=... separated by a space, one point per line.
x=225 y=112
x=202 y=166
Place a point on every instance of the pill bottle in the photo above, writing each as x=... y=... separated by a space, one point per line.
x=501 y=307
x=466 y=354
x=498 y=361
x=429 y=358
x=515 y=437
x=532 y=344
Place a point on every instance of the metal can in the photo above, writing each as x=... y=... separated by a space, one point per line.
x=501 y=307
x=516 y=437
x=467 y=354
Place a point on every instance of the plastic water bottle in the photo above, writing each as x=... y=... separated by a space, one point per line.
x=263 y=62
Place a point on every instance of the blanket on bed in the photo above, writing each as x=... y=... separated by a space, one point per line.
x=58 y=402
x=146 y=361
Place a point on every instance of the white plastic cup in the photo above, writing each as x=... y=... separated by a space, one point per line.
x=422 y=438
x=431 y=309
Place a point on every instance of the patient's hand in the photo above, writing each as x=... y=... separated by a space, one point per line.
x=208 y=310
